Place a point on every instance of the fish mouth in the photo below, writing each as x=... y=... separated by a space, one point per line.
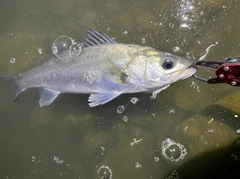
x=193 y=65
x=189 y=71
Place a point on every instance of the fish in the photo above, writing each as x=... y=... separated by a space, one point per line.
x=104 y=69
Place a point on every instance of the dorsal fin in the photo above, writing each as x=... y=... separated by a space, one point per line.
x=97 y=38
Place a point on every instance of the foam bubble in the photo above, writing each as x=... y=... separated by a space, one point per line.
x=173 y=151
x=89 y=77
x=120 y=109
x=173 y=175
x=134 y=100
x=104 y=172
x=12 y=60
x=138 y=165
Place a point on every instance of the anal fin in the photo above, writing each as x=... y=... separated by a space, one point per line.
x=101 y=98
x=47 y=96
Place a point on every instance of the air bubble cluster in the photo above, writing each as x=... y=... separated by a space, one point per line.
x=89 y=77
x=173 y=151
x=173 y=175
x=64 y=47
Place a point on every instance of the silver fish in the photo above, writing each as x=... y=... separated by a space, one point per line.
x=105 y=69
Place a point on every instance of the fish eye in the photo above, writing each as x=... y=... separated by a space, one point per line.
x=168 y=63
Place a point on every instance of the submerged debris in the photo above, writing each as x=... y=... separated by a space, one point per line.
x=135 y=141
x=207 y=51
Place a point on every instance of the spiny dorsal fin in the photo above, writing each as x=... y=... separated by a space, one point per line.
x=97 y=38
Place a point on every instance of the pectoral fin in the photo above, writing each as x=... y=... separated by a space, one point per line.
x=47 y=96
x=154 y=94
x=101 y=98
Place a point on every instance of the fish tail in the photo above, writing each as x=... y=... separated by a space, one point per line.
x=14 y=80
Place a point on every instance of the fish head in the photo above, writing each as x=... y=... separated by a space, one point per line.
x=153 y=69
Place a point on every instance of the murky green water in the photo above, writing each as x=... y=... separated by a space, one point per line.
x=70 y=140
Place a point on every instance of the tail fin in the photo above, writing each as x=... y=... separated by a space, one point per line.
x=12 y=79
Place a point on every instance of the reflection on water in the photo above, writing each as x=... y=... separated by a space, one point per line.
x=123 y=138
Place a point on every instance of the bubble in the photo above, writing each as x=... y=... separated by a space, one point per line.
x=103 y=149
x=176 y=49
x=132 y=144
x=138 y=165
x=33 y=158
x=120 y=109
x=61 y=45
x=134 y=100
x=173 y=151
x=58 y=160
x=10 y=35
x=184 y=25
x=143 y=40
x=235 y=157
x=153 y=96
x=104 y=172
x=172 y=111
x=65 y=47
x=75 y=49
x=36 y=159
x=156 y=159
x=238 y=142
x=194 y=85
x=39 y=51
x=125 y=118
x=173 y=175
x=89 y=77
x=185 y=129
x=12 y=60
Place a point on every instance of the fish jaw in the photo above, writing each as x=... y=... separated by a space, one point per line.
x=186 y=73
